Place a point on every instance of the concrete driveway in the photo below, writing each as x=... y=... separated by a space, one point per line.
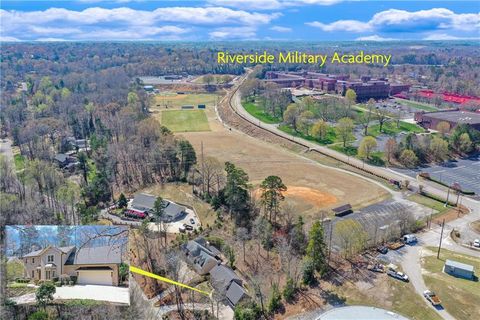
x=94 y=292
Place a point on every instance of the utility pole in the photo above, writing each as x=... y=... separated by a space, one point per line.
x=441 y=238
x=330 y=242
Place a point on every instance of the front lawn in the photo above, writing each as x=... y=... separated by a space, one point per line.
x=390 y=128
x=18 y=289
x=459 y=296
x=260 y=114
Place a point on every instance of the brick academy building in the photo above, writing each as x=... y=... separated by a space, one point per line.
x=365 y=88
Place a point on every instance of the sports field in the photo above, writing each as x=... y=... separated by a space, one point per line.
x=174 y=100
x=185 y=120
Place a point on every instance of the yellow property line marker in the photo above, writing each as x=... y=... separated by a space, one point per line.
x=152 y=275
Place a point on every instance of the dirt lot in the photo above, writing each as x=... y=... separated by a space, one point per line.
x=311 y=188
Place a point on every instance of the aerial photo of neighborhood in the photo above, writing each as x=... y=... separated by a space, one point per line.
x=240 y=160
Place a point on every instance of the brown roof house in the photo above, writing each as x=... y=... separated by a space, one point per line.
x=96 y=265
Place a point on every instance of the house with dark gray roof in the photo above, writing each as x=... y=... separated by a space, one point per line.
x=95 y=265
x=201 y=255
x=227 y=282
x=143 y=202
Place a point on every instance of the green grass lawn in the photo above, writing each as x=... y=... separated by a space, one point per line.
x=390 y=128
x=329 y=139
x=459 y=296
x=430 y=203
x=416 y=105
x=185 y=120
x=173 y=100
x=258 y=113
x=17 y=285
x=19 y=162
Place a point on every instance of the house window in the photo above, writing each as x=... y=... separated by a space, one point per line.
x=33 y=260
x=33 y=273
x=53 y=273
x=50 y=258
x=47 y=275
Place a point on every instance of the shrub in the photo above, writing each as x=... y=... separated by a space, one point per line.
x=71 y=283
x=275 y=301
x=58 y=283
x=74 y=279
x=289 y=290
x=308 y=269
x=45 y=293
x=55 y=279
x=38 y=315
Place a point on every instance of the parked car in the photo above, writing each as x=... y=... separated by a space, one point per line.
x=382 y=249
x=432 y=297
x=476 y=243
x=188 y=227
x=398 y=275
x=409 y=239
x=192 y=221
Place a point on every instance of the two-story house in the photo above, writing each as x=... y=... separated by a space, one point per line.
x=95 y=265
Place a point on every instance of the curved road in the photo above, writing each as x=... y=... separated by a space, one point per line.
x=411 y=260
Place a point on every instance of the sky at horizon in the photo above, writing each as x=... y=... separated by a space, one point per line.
x=235 y=20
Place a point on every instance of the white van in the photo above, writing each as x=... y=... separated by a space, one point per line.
x=409 y=239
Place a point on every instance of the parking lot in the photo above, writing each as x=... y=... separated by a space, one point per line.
x=466 y=172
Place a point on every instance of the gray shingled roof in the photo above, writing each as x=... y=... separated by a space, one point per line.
x=95 y=255
x=235 y=293
x=221 y=276
x=145 y=202
x=33 y=253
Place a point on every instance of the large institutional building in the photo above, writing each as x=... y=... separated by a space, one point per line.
x=365 y=88
x=430 y=120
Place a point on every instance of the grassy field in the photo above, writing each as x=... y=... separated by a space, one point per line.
x=390 y=128
x=416 y=105
x=185 y=120
x=459 y=296
x=329 y=139
x=173 y=100
x=258 y=113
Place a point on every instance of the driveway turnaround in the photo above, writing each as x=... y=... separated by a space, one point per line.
x=94 y=292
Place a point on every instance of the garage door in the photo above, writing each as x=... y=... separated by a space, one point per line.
x=101 y=277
